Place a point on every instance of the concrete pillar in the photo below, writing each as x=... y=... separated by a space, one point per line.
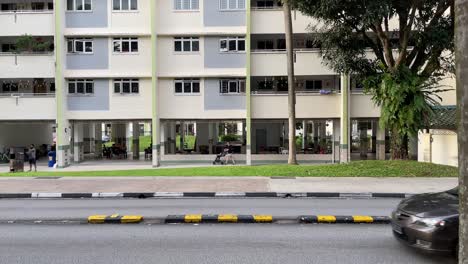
x=98 y=140
x=336 y=140
x=182 y=135
x=380 y=149
x=78 y=150
x=172 y=134
x=91 y=137
x=210 y=138
x=63 y=138
x=344 y=125
x=136 y=140
x=163 y=138
x=304 y=135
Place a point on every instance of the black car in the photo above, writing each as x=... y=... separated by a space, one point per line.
x=428 y=221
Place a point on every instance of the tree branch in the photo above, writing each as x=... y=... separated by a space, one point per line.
x=377 y=27
x=405 y=35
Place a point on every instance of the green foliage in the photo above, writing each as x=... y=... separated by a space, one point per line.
x=229 y=138
x=406 y=61
x=27 y=43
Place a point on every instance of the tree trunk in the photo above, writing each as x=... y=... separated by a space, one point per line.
x=461 y=45
x=399 y=146
x=291 y=83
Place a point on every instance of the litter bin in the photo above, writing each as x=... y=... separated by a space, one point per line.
x=17 y=162
x=52 y=158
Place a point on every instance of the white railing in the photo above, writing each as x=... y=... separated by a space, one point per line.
x=32 y=22
x=26 y=95
x=27 y=65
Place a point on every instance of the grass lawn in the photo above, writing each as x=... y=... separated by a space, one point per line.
x=145 y=142
x=353 y=169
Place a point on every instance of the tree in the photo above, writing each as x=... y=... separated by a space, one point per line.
x=291 y=83
x=398 y=49
x=461 y=33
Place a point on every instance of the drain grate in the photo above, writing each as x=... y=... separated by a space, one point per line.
x=283 y=177
x=47 y=178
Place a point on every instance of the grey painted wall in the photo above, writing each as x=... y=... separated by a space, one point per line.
x=213 y=17
x=213 y=100
x=99 y=101
x=96 y=18
x=99 y=59
x=216 y=59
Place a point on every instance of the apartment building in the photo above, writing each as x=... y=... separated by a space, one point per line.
x=195 y=74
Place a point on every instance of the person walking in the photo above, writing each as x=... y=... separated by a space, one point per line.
x=32 y=157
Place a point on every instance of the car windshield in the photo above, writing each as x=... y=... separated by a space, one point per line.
x=453 y=191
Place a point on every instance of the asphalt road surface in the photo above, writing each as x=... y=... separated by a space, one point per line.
x=179 y=244
x=45 y=209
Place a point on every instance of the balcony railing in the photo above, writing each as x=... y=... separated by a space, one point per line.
x=27 y=65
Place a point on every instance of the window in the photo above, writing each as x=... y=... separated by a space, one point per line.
x=265 y=45
x=124 y=5
x=232 y=44
x=186 y=44
x=80 y=86
x=186 y=5
x=126 y=86
x=80 y=45
x=7 y=47
x=234 y=86
x=9 y=87
x=187 y=86
x=313 y=84
x=231 y=4
x=79 y=5
x=125 y=45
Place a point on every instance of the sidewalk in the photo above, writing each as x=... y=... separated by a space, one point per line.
x=224 y=184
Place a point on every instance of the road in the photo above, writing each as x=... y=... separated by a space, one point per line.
x=44 y=209
x=206 y=243
x=181 y=244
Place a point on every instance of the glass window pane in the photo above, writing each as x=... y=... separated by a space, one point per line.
x=178 y=45
x=233 y=87
x=135 y=87
x=178 y=87
x=134 y=4
x=89 y=46
x=241 y=45
x=241 y=4
x=185 y=4
x=134 y=46
x=125 y=46
x=89 y=88
x=78 y=4
x=125 y=5
x=177 y=4
x=71 y=87
x=87 y=5
x=116 y=4
x=232 y=45
x=242 y=86
x=224 y=86
x=117 y=87
x=126 y=87
x=223 y=45
x=196 y=45
x=80 y=87
x=187 y=45
x=187 y=87
x=195 y=5
x=117 y=47
x=70 y=46
x=69 y=5
x=223 y=4
x=196 y=87
x=232 y=4
x=79 y=46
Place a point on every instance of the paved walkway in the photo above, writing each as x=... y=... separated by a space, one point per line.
x=224 y=184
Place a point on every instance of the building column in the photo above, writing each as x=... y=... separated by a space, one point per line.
x=78 y=150
x=344 y=124
x=90 y=137
x=210 y=138
x=163 y=138
x=63 y=129
x=136 y=140
x=248 y=120
x=380 y=142
x=304 y=135
x=182 y=134
x=336 y=140
x=155 y=124
x=173 y=135
x=98 y=140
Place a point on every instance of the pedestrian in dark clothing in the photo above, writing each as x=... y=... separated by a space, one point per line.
x=32 y=157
